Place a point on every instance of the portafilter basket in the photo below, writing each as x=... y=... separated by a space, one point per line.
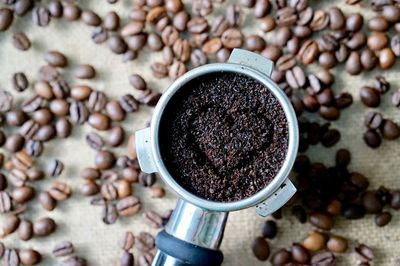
x=196 y=227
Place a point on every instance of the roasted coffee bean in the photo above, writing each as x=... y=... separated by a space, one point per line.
x=124 y=188
x=176 y=70
x=127 y=259
x=128 y=206
x=55 y=8
x=390 y=130
x=343 y=157
x=48 y=73
x=261 y=8
x=21 y=41
x=281 y=257
x=23 y=194
x=322 y=221
x=308 y=52
x=211 y=46
x=137 y=82
x=383 y=219
x=295 y=77
x=108 y=191
x=43 y=116
x=370 y=96
x=6 y=18
x=182 y=50
x=395 y=44
x=368 y=59
x=354 y=22
x=116 y=136
x=287 y=62
x=323 y=258
x=60 y=88
x=159 y=70
x=353 y=64
x=286 y=16
x=329 y=112
x=55 y=167
x=47 y=201
x=81 y=92
x=6 y=101
x=59 y=107
x=89 y=189
x=391 y=13
x=359 y=180
x=222 y=55
x=381 y=84
x=386 y=58
x=395 y=202
x=71 y=12
x=84 y=72
x=269 y=229
x=282 y=36
x=100 y=35
x=130 y=174
x=21 y=160
x=90 y=18
x=63 y=128
x=353 y=211
x=330 y=138
x=169 y=35
x=90 y=174
x=29 y=257
x=21 y=7
x=377 y=41
x=337 y=18
x=146 y=259
x=29 y=129
x=364 y=253
x=233 y=15
x=63 y=248
x=117 y=44
x=299 y=253
x=232 y=38
x=3 y=182
x=135 y=43
x=371 y=202
x=337 y=244
x=396 y=99
x=357 y=40
x=99 y=121
x=44 y=227
x=31 y=104
x=180 y=20
x=95 y=141
x=153 y=219
x=373 y=120
x=128 y=103
x=97 y=101
x=104 y=160
x=145 y=242
x=41 y=16
x=127 y=241
x=314 y=241
x=25 y=230
x=78 y=112
x=11 y=257
x=147 y=180
x=111 y=21
x=75 y=260
x=60 y=191
x=372 y=139
x=14 y=143
x=202 y=7
x=154 y=42
x=115 y=111
x=55 y=58
x=5 y=202
x=260 y=248
x=272 y=52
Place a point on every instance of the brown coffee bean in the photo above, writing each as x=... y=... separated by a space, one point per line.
x=43 y=89
x=60 y=191
x=84 y=72
x=323 y=258
x=127 y=241
x=63 y=248
x=153 y=219
x=370 y=96
x=368 y=59
x=377 y=41
x=117 y=44
x=71 y=12
x=97 y=101
x=89 y=188
x=6 y=18
x=75 y=260
x=372 y=138
x=337 y=244
x=145 y=242
x=337 y=18
x=41 y=16
x=21 y=41
x=104 y=160
x=157 y=192
x=55 y=167
x=128 y=206
x=5 y=202
x=390 y=130
x=115 y=111
x=386 y=58
x=299 y=253
x=322 y=221
x=130 y=174
x=99 y=121
x=95 y=141
x=47 y=201
x=364 y=253
x=354 y=22
x=78 y=112
x=11 y=257
x=63 y=128
x=281 y=257
x=295 y=77
x=314 y=241
x=55 y=59
x=60 y=88
x=17 y=177
x=176 y=70
x=260 y=248
x=308 y=52
x=90 y=174
x=23 y=194
x=383 y=219
x=35 y=174
x=55 y=8
x=21 y=7
x=100 y=35
x=232 y=38
x=391 y=13
x=320 y=20
x=90 y=18
x=14 y=143
x=25 y=230
x=44 y=226
x=353 y=64
x=286 y=62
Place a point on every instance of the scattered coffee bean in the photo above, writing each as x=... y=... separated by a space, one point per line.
x=63 y=248
x=260 y=248
x=47 y=201
x=44 y=227
x=21 y=41
x=55 y=167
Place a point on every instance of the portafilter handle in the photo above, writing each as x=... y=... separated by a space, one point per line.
x=191 y=237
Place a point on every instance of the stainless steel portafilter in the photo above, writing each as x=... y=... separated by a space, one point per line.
x=196 y=227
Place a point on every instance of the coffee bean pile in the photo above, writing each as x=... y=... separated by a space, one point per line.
x=188 y=37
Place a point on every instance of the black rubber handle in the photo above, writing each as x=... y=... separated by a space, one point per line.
x=188 y=253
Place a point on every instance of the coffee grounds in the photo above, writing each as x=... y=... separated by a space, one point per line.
x=224 y=137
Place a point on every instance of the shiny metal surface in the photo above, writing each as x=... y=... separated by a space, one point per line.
x=197 y=226
x=162 y=259
x=257 y=70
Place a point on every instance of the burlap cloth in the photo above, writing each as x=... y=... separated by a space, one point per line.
x=81 y=223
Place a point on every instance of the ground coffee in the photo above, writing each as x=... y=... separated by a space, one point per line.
x=224 y=137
